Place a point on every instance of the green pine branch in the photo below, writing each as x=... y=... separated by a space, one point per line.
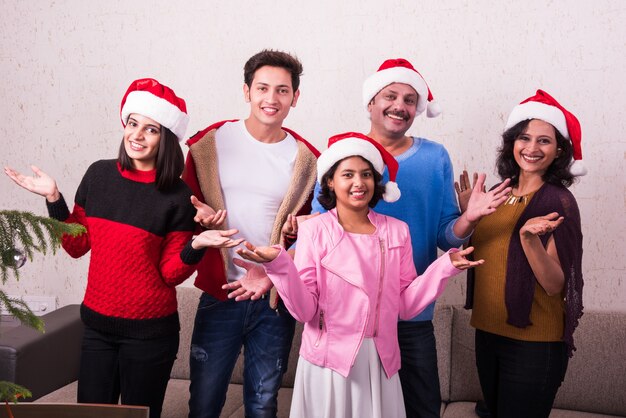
x=10 y=392
x=29 y=233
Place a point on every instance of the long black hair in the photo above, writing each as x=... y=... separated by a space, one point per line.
x=328 y=198
x=170 y=161
x=557 y=173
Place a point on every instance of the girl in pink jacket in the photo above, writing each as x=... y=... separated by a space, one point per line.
x=352 y=278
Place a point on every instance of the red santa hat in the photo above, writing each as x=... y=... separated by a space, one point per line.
x=399 y=70
x=156 y=101
x=544 y=107
x=352 y=144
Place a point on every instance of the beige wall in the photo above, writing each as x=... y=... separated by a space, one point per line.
x=66 y=64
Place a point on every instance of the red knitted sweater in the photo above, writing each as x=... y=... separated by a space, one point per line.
x=139 y=238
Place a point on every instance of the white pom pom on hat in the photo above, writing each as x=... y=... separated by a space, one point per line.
x=399 y=70
x=149 y=98
x=352 y=144
x=544 y=107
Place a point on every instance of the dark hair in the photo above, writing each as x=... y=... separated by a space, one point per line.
x=328 y=198
x=273 y=59
x=169 y=161
x=557 y=173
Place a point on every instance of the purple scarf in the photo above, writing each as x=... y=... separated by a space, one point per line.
x=520 y=280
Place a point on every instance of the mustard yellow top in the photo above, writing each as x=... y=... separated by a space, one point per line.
x=491 y=241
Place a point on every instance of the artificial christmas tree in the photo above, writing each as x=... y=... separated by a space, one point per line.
x=21 y=235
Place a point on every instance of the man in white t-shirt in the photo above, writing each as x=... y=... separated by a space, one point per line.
x=259 y=172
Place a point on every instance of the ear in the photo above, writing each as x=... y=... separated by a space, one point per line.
x=294 y=101
x=246 y=93
x=559 y=151
x=330 y=184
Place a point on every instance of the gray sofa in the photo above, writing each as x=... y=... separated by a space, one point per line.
x=595 y=384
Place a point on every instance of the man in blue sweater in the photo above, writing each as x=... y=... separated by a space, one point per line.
x=394 y=96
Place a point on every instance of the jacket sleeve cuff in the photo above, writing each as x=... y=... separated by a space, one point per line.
x=58 y=210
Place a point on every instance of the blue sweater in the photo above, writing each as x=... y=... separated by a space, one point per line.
x=428 y=204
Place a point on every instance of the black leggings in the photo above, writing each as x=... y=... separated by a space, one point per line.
x=114 y=367
x=519 y=378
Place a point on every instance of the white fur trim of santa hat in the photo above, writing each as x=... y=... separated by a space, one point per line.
x=345 y=148
x=544 y=107
x=150 y=98
x=536 y=110
x=401 y=71
x=353 y=144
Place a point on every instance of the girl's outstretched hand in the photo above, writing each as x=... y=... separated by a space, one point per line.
x=460 y=261
x=257 y=254
x=41 y=183
x=214 y=238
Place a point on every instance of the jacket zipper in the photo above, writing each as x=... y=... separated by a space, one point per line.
x=321 y=328
x=380 y=284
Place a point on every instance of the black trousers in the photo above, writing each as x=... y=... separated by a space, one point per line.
x=418 y=373
x=519 y=378
x=135 y=370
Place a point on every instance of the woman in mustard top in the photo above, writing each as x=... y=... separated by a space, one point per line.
x=527 y=297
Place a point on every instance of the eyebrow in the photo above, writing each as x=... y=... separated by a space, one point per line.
x=398 y=93
x=269 y=85
x=147 y=124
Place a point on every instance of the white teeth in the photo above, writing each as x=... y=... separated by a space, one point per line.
x=270 y=110
x=358 y=193
x=396 y=117
x=135 y=146
x=531 y=159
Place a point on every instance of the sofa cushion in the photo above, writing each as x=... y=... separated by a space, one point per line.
x=43 y=362
x=442 y=322
x=464 y=384
x=596 y=375
x=589 y=386
x=466 y=410
x=176 y=401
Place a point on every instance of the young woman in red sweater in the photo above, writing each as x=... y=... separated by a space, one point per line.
x=140 y=223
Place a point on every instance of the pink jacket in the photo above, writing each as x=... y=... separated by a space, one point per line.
x=324 y=291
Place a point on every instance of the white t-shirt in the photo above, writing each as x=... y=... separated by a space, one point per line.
x=254 y=177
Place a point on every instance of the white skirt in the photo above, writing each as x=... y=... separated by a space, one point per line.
x=320 y=392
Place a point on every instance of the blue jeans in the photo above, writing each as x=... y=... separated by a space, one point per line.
x=221 y=328
x=138 y=370
x=418 y=373
x=519 y=378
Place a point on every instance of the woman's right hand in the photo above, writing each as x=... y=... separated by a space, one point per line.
x=541 y=225
x=214 y=238
x=41 y=183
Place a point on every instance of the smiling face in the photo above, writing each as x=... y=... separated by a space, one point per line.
x=142 y=136
x=353 y=183
x=393 y=109
x=270 y=96
x=535 y=148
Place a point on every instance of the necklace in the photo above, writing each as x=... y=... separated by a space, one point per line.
x=512 y=199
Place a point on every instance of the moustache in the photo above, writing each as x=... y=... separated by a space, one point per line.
x=399 y=114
